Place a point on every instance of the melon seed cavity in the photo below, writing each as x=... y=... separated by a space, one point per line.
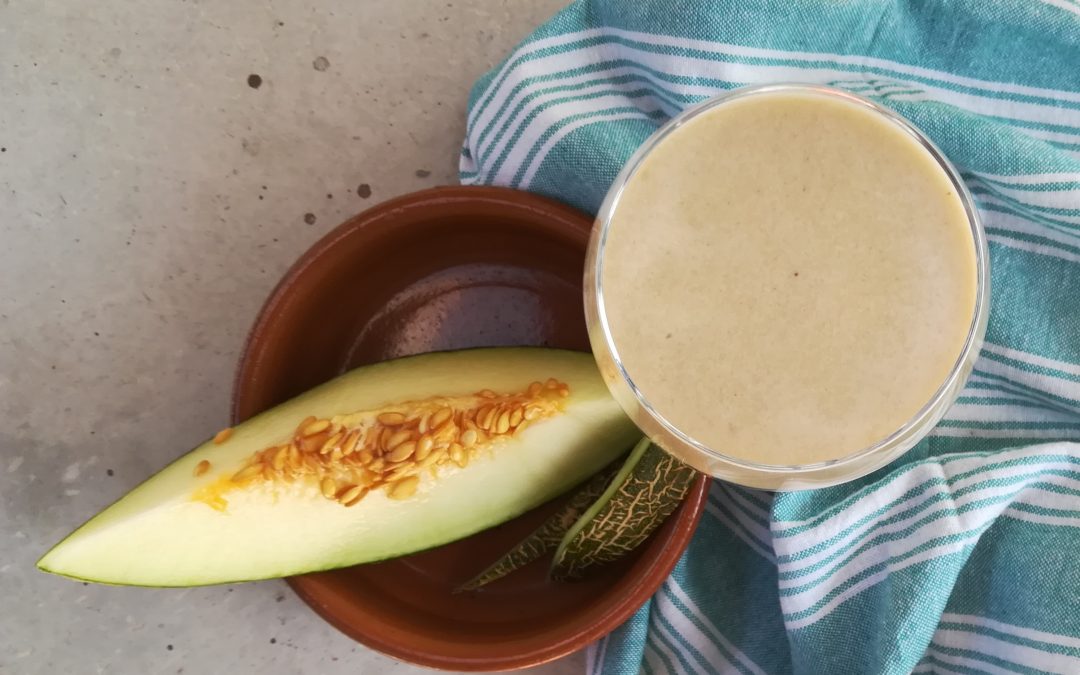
x=348 y=456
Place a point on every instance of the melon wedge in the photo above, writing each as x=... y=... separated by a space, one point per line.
x=649 y=486
x=528 y=425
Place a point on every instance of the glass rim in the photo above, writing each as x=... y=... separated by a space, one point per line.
x=976 y=327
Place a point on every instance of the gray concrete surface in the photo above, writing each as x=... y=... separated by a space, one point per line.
x=149 y=199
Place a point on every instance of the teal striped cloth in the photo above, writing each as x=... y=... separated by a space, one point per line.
x=963 y=556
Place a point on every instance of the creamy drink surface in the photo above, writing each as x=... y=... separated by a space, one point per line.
x=789 y=278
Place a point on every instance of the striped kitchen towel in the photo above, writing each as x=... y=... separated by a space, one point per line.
x=963 y=556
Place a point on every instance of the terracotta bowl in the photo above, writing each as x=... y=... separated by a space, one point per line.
x=441 y=269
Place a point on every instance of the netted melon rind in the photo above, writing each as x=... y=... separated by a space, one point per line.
x=652 y=490
x=546 y=537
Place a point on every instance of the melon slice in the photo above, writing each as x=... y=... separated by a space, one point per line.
x=383 y=461
x=546 y=537
x=647 y=489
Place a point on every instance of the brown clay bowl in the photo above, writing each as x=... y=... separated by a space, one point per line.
x=448 y=268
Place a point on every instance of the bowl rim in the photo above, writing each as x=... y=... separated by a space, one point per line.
x=651 y=572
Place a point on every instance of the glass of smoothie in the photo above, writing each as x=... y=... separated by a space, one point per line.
x=787 y=285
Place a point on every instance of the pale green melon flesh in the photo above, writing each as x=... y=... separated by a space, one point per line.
x=158 y=535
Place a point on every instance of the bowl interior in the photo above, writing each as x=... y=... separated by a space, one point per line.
x=444 y=269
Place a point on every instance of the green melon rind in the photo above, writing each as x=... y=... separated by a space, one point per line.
x=548 y=535
x=648 y=488
x=632 y=460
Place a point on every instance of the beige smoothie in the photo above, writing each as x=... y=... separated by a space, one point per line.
x=789 y=278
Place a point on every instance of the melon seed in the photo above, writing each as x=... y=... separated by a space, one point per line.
x=503 y=424
x=401 y=472
x=402 y=452
x=351 y=441
x=424 y=447
x=312 y=443
x=440 y=416
x=398 y=438
x=391 y=419
x=457 y=455
x=447 y=433
x=316 y=427
x=279 y=458
x=331 y=443
x=404 y=488
x=350 y=495
x=484 y=417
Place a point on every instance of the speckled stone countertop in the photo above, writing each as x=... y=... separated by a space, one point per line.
x=161 y=164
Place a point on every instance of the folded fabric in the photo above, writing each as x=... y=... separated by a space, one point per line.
x=964 y=555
